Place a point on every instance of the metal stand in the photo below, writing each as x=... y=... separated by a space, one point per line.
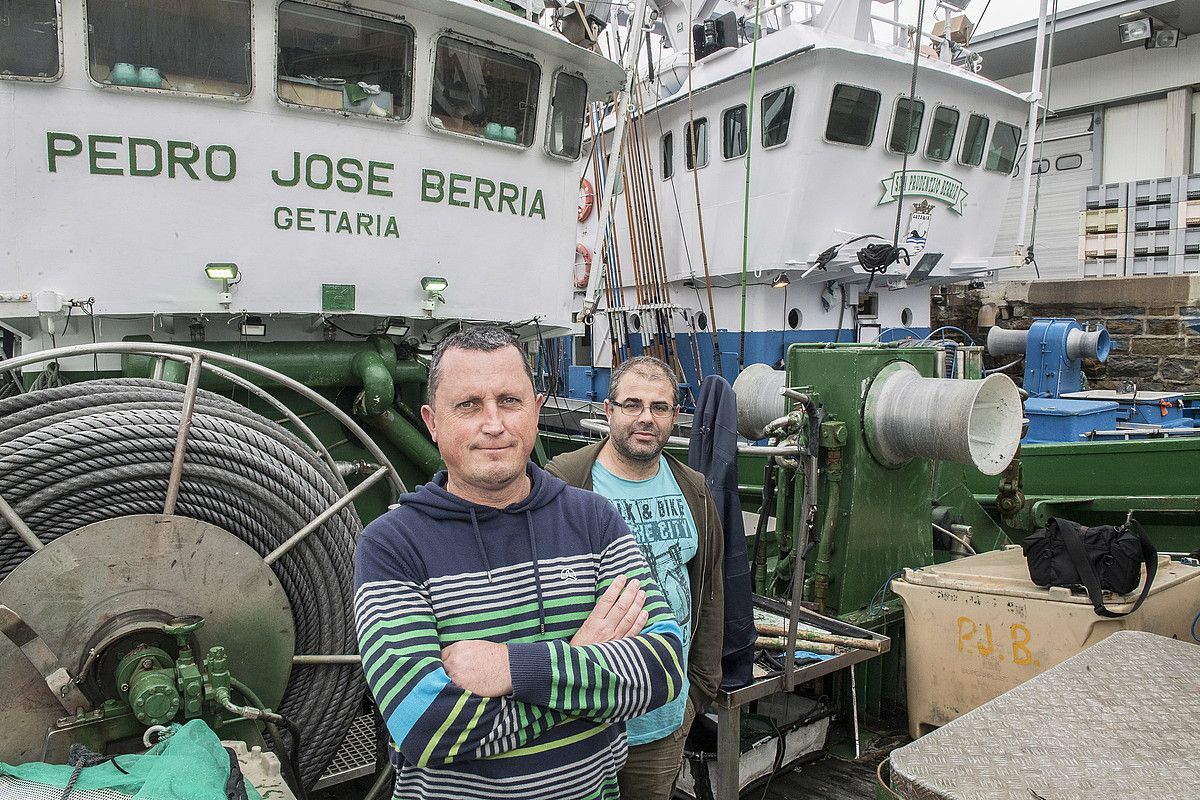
x=730 y=704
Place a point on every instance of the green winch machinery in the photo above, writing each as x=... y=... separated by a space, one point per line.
x=875 y=424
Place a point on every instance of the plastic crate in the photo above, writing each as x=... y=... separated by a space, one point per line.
x=1189 y=187
x=1153 y=243
x=1102 y=220
x=1146 y=218
x=1189 y=214
x=1187 y=240
x=1153 y=191
x=1102 y=245
x=1151 y=265
x=1104 y=195
x=1103 y=267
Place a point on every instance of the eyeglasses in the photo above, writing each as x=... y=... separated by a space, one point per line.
x=634 y=408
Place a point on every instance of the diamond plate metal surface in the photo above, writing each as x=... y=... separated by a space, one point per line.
x=355 y=758
x=1119 y=721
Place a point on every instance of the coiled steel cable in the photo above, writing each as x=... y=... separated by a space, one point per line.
x=96 y=450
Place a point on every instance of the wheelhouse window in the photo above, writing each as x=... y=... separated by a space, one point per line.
x=733 y=132
x=974 y=141
x=29 y=39
x=906 y=126
x=852 y=115
x=776 y=116
x=194 y=46
x=1003 y=152
x=942 y=131
x=568 y=105
x=668 y=155
x=484 y=92
x=335 y=60
x=696 y=144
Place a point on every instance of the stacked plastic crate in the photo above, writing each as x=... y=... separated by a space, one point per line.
x=1147 y=227
x=1188 y=219
x=1103 y=230
x=1153 y=247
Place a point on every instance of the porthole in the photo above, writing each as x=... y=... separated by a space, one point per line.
x=795 y=319
x=906 y=317
x=701 y=321
x=635 y=322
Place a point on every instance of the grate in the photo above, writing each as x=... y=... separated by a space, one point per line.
x=355 y=758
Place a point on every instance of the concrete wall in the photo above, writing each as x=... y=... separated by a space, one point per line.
x=1154 y=323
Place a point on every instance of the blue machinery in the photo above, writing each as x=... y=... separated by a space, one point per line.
x=1058 y=408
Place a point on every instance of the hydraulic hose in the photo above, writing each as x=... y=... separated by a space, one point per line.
x=97 y=450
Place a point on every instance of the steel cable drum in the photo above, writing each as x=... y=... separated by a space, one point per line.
x=100 y=450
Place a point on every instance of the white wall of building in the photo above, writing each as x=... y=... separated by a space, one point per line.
x=1135 y=141
x=1116 y=77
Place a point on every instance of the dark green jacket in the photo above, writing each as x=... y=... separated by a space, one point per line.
x=704 y=570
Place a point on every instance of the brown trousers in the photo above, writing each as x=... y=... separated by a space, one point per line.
x=652 y=768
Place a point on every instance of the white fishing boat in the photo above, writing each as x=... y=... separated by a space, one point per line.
x=767 y=146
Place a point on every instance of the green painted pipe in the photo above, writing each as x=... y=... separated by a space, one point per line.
x=319 y=365
x=833 y=479
x=371 y=364
x=407 y=439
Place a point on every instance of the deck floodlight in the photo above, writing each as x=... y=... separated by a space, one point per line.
x=1163 y=37
x=1135 y=30
x=396 y=327
x=221 y=272
x=781 y=281
x=252 y=326
x=433 y=285
x=228 y=275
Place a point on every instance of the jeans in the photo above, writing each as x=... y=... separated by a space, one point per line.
x=652 y=768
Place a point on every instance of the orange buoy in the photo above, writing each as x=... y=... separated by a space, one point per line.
x=587 y=199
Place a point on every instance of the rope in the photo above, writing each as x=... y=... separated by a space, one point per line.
x=99 y=450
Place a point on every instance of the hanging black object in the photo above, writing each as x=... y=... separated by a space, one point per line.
x=1105 y=557
x=712 y=451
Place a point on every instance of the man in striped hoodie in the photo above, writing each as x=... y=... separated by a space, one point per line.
x=507 y=622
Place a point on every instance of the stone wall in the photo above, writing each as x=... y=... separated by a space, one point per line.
x=1154 y=323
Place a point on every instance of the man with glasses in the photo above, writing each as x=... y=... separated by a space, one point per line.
x=672 y=516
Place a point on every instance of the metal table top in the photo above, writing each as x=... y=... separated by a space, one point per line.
x=1119 y=720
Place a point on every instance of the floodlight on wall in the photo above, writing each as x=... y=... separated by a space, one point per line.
x=1135 y=30
x=781 y=281
x=1163 y=37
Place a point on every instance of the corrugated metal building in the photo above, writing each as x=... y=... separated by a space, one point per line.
x=1118 y=112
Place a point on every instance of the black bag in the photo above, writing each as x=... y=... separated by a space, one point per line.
x=1065 y=553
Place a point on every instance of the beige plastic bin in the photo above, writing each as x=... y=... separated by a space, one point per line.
x=977 y=627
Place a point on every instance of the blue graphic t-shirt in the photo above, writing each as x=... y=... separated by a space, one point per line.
x=662 y=523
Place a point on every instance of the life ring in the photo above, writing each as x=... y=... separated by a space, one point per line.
x=581 y=279
x=587 y=199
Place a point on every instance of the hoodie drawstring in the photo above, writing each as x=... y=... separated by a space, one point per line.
x=537 y=578
x=487 y=565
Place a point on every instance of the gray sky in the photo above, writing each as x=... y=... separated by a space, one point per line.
x=1000 y=13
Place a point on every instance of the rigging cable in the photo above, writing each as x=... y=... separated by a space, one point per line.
x=1030 y=258
x=746 y=196
x=876 y=258
x=694 y=141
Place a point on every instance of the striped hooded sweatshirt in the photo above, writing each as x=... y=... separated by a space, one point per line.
x=438 y=570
